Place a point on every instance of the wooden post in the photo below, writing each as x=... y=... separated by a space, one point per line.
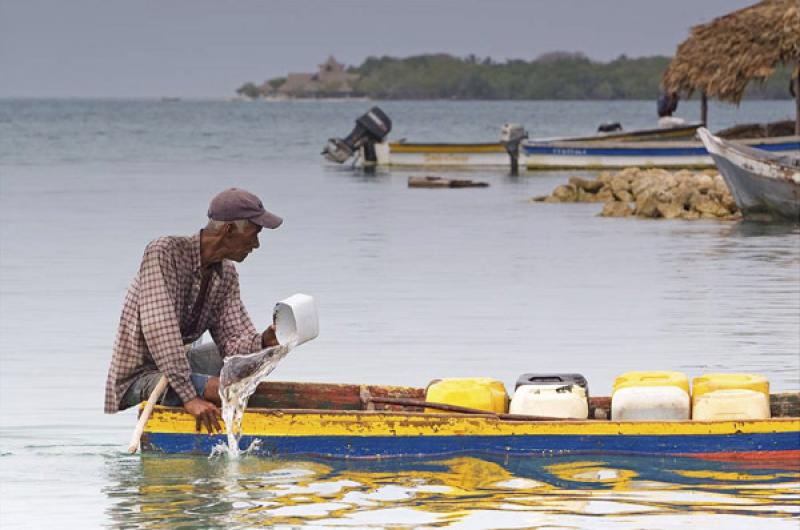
x=704 y=109
x=797 y=100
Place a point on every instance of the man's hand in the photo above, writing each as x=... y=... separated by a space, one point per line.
x=205 y=414
x=268 y=338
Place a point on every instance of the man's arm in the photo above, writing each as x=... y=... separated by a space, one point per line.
x=160 y=326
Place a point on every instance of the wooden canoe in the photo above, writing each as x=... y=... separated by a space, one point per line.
x=332 y=420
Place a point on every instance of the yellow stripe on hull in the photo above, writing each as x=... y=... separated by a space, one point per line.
x=446 y=148
x=312 y=423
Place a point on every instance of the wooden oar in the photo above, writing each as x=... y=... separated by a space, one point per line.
x=455 y=408
x=155 y=395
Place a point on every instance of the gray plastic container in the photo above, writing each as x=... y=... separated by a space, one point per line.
x=553 y=379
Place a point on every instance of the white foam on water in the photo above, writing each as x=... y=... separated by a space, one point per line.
x=240 y=376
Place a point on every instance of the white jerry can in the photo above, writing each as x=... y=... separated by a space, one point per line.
x=732 y=404
x=651 y=396
x=556 y=401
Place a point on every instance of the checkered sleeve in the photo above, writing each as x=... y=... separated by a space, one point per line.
x=159 y=320
x=233 y=331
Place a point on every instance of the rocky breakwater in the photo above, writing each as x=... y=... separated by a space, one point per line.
x=652 y=193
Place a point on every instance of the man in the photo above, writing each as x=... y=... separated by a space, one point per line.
x=185 y=286
x=666 y=105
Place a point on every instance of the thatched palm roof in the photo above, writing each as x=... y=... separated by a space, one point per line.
x=721 y=57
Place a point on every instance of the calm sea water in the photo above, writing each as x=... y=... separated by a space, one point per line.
x=412 y=285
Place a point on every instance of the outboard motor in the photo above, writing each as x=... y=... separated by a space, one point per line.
x=370 y=129
x=511 y=134
x=609 y=126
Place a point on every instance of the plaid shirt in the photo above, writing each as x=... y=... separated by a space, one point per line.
x=157 y=317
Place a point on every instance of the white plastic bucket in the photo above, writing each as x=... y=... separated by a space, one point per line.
x=296 y=319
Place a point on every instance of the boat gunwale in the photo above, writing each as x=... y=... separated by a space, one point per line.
x=488 y=415
x=667 y=144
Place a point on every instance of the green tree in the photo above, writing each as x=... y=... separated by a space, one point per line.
x=249 y=90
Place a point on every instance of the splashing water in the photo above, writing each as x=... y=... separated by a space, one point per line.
x=240 y=376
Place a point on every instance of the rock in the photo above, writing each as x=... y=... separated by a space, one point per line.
x=720 y=184
x=708 y=207
x=664 y=195
x=690 y=215
x=630 y=173
x=539 y=198
x=586 y=196
x=695 y=197
x=670 y=210
x=703 y=183
x=652 y=193
x=619 y=184
x=616 y=209
x=683 y=194
x=669 y=181
x=647 y=205
x=623 y=196
x=642 y=184
x=605 y=195
x=605 y=177
x=730 y=203
x=565 y=193
x=592 y=186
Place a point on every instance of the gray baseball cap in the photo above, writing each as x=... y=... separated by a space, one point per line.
x=235 y=203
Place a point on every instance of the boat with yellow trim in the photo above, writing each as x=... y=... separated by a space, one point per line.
x=368 y=146
x=370 y=421
x=495 y=154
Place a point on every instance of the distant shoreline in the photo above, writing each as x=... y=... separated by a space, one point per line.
x=557 y=76
x=229 y=99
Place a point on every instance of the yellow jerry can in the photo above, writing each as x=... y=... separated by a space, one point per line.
x=710 y=382
x=730 y=397
x=639 y=379
x=483 y=393
x=650 y=396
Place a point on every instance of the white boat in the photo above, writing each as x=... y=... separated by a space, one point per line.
x=495 y=154
x=764 y=185
x=614 y=154
x=368 y=146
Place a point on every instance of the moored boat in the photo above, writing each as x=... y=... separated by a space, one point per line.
x=607 y=154
x=361 y=421
x=495 y=154
x=764 y=185
x=368 y=146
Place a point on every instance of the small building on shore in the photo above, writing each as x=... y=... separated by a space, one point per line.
x=331 y=80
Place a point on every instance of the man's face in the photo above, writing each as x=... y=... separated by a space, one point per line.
x=239 y=242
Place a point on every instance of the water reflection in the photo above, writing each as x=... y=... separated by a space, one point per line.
x=463 y=492
x=760 y=229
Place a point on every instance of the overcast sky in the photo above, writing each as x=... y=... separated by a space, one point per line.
x=199 y=48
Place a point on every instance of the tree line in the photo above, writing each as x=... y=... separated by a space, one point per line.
x=555 y=75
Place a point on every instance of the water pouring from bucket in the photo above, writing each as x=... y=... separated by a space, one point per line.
x=296 y=322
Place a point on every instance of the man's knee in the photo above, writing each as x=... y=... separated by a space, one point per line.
x=140 y=390
x=205 y=359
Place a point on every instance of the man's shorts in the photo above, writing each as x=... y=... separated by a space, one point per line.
x=205 y=362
